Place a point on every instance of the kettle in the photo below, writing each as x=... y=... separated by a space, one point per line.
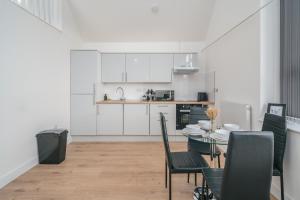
x=202 y=96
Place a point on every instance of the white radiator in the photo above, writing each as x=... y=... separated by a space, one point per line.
x=236 y=113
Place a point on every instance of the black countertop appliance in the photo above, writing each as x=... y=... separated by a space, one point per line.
x=202 y=96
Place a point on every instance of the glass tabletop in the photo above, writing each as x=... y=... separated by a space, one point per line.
x=211 y=138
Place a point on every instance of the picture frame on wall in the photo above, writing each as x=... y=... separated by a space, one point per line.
x=277 y=109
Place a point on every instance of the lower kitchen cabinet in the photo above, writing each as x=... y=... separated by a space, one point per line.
x=110 y=119
x=169 y=112
x=83 y=115
x=136 y=119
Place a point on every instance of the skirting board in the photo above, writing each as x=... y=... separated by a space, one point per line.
x=126 y=138
x=18 y=171
x=275 y=190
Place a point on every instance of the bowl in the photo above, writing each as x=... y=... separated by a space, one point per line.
x=204 y=124
x=232 y=127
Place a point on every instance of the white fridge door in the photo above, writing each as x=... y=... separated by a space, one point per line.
x=83 y=115
x=84 y=66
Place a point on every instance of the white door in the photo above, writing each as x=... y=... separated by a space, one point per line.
x=138 y=68
x=161 y=67
x=113 y=67
x=110 y=119
x=169 y=111
x=84 y=66
x=136 y=119
x=187 y=60
x=83 y=115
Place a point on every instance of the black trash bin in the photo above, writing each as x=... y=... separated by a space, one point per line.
x=52 y=146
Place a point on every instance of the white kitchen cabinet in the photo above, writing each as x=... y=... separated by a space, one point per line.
x=136 y=119
x=83 y=115
x=84 y=69
x=186 y=59
x=110 y=119
x=137 y=68
x=161 y=67
x=169 y=111
x=113 y=67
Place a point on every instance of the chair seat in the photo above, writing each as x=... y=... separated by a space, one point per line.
x=276 y=172
x=214 y=179
x=187 y=162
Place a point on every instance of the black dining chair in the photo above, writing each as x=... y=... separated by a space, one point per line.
x=277 y=124
x=196 y=114
x=248 y=168
x=179 y=162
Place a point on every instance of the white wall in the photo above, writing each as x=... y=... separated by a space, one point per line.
x=270 y=92
x=185 y=86
x=247 y=64
x=34 y=75
x=236 y=60
x=243 y=47
x=291 y=169
x=230 y=13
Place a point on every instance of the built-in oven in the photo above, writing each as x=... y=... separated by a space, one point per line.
x=183 y=115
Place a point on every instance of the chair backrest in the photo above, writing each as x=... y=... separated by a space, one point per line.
x=248 y=167
x=196 y=114
x=165 y=139
x=277 y=125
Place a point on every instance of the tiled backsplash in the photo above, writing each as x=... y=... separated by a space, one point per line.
x=185 y=86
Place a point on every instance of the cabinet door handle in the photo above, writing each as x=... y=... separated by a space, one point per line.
x=163 y=106
x=122 y=76
x=125 y=76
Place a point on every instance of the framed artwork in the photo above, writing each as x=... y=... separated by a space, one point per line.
x=277 y=109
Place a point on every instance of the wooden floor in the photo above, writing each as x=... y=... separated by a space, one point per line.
x=102 y=171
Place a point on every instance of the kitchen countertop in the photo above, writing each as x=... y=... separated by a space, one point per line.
x=154 y=102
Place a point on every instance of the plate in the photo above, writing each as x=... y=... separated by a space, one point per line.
x=193 y=126
x=193 y=131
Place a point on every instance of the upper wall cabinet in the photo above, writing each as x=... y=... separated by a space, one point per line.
x=161 y=67
x=185 y=60
x=113 y=68
x=137 y=68
x=143 y=67
x=84 y=68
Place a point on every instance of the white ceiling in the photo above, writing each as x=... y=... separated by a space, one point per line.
x=133 y=20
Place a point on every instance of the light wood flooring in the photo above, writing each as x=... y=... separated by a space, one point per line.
x=102 y=171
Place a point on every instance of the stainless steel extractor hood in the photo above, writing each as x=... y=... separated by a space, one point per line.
x=184 y=69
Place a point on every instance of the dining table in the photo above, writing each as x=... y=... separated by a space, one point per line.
x=214 y=138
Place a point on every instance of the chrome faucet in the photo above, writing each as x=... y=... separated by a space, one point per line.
x=122 y=98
